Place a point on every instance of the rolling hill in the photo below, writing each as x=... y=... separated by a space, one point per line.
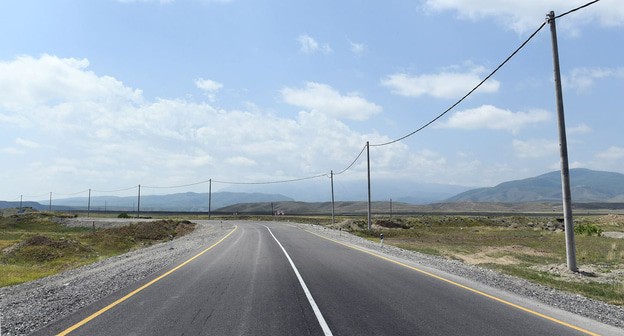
x=586 y=185
x=188 y=201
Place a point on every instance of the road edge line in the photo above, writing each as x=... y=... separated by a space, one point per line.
x=489 y=296
x=127 y=296
x=315 y=308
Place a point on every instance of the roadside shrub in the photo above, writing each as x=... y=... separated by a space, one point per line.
x=123 y=215
x=587 y=229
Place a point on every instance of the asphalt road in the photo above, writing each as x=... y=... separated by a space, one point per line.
x=254 y=282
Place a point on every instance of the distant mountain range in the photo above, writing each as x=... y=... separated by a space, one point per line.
x=586 y=186
x=188 y=201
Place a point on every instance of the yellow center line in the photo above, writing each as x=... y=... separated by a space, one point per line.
x=103 y=310
x=552 y=319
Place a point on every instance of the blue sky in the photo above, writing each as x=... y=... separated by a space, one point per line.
x=111 y=94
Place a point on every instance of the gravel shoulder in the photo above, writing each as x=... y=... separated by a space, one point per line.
x=27 y=307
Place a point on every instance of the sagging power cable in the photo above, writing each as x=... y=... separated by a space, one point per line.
x=577 y=8
x=485 y=79
x=467 y=94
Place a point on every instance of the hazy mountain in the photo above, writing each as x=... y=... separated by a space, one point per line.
x=34 y=205
x=188 y=201
x=586 y=186
x=319 y=190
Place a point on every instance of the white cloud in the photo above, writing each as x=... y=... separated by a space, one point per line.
x=309 y=45
x=52 y=81
x=241 y=161
x=494 y=118
x=209 y=87
x=522 y=16
x=583 y=79
x=27 y=143
x=535 y=148
x=579 y=129
x=11 y=150
x=612 y=153
x=325 y=99
x=441 y=85
x=357 y=48
x=610 y=159
x=103 y=135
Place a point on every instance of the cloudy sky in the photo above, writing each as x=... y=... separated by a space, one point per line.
x=111 y=94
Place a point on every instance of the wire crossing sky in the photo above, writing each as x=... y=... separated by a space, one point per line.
x=119 y=93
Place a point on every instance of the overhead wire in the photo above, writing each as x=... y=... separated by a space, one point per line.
x=485 y=79
x=467 y=94
x=35 y=196
x=271 y=182
x=176 y=186
x=577 y=8
x=72 y=194
x=117 y=190
x=371 y=145
x=352 y=163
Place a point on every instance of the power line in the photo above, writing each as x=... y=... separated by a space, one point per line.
x=352 y=163
x=177 y=186
x=113 y=191
x=362 y=151
x=467 y=94
x=72 y=194
x=486 y=78
x=575 y=9
x=36 y=196
x=271 y=182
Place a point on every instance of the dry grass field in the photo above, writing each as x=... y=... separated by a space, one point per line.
x=529 y=247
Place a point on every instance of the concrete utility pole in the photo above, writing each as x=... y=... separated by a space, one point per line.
x=89 y=205
x=50 y=204
x=369 y=184
x=209 y=197
x=563 y=147
x=21 y=196
x=139 y=202
x=331 y=176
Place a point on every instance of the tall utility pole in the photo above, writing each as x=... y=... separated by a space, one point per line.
x=209 y=197
x=89 y=205
x=331 y=176
x=563 y=147
x=50 y=204
x=369 y=188
x=391 y=209
x=139 y=202
x=21 y=196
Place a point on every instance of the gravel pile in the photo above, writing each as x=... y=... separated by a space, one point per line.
x=578 y=304
x=27 y=307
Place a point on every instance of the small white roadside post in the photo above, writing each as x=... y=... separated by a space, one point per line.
x=382 y=237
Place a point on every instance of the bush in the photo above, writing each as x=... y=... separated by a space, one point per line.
x=587 y=229
x=123 y=215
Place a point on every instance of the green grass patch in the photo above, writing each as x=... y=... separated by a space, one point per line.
x=36 y=245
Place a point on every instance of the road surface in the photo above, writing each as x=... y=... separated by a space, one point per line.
x=278 y=279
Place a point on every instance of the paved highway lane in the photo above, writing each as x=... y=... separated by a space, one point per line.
x=246 y=285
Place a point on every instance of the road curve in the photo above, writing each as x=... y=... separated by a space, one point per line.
x=246 y=285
